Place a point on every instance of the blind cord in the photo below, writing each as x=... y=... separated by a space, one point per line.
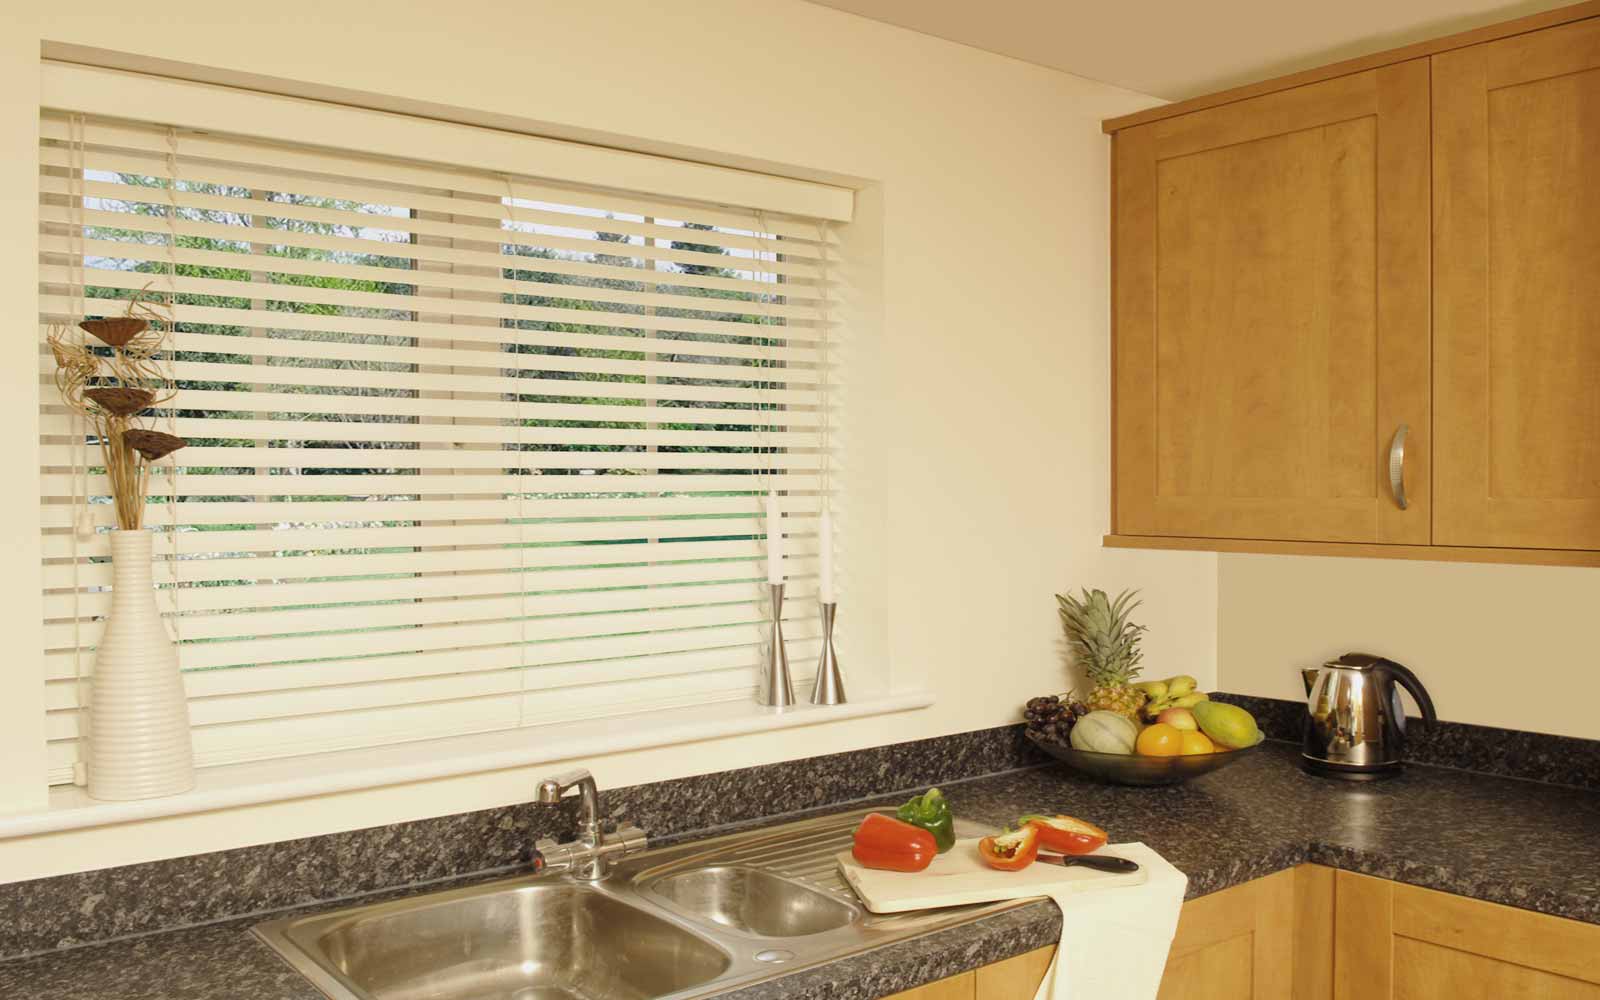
x=522 y=496
x=83 y=519
x=825 y=389
x=765 y=408
x=172 y=409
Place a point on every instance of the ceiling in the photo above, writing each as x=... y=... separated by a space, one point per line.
x=1179 y=48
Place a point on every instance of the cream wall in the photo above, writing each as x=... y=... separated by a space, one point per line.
x=987 y=185
x=1510 y=646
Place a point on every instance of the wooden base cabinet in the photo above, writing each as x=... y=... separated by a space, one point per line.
x=1313 y=933
x=1238 y=944
x=1401 y=942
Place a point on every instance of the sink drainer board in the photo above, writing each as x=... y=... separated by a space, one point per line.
x=669 y=924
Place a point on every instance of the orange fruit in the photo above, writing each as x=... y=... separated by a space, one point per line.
x=1160 y=740
x=1195 y=743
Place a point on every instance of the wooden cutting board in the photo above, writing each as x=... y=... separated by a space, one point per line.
x=959 y=876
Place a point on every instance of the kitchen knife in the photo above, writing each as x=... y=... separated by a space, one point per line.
x=1099 y=862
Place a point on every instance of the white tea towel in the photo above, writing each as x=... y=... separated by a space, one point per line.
x=1114 y=943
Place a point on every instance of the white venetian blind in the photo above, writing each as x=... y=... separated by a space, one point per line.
x=467 y=452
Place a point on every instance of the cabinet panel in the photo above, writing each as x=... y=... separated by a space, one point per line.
x=1402 y=942
x=1272 y=315
x=960 y=987
x=1221 y=971
x=1517 y=237
x=1424 y=971
x=1267 y=333
x=1016 y=978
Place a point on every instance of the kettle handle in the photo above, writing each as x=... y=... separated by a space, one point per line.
x=1409 y=681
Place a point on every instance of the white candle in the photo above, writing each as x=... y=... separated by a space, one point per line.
x=825 y=545
x=774 y=539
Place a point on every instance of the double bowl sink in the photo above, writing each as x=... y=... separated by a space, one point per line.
x=679 y=922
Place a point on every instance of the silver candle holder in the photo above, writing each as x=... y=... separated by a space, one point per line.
x=829 y=686
x=776 y=690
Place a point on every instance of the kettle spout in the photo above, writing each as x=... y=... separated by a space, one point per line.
x=1310 y=675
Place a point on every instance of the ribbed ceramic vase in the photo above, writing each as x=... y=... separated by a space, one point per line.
x=139 y=746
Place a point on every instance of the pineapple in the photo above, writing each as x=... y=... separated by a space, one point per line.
x=1106 y=644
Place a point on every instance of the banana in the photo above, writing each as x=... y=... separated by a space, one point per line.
x=1191 y=700
x=1181 y=685
x=1155 y=708
x=1154 y=690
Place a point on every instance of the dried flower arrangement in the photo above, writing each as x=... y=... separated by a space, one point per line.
x=114 y=387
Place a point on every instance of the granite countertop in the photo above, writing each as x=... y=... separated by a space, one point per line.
x=1508 y=841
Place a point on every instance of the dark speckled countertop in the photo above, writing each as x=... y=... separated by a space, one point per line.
x=1500 y=839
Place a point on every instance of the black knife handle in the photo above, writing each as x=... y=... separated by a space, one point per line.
x=1102 y=863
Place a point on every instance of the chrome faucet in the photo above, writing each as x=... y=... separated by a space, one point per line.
x=589 y=857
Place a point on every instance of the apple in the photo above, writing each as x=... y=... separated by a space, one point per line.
x=1180 y=719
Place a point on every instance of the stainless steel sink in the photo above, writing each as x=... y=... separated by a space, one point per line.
x=754 y=901
x=679 y=922
x=529 y=942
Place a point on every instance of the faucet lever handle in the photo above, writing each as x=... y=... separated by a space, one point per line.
x=557 y=785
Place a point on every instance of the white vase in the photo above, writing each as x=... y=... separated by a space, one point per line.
x=139 y=745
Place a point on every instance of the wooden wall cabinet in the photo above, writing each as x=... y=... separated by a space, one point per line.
x=1410 y=239
x=1517 y=241
x=1272 y=314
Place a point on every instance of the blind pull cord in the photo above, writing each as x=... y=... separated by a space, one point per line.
x=83 y=517
x=522 y=491
x=172 y=409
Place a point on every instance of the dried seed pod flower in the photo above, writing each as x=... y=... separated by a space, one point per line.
x=76 y=366
x=111 y=388
x=124 y=402
x=153 y=445
x=116 y=331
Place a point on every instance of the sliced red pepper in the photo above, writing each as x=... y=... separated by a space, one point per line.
x=1066 y=834
x=1012 y=851
x=884 y=842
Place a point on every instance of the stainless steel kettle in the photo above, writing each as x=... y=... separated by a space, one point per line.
x=1355 y=722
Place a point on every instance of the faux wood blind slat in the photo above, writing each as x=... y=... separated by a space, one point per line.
x=466 y=453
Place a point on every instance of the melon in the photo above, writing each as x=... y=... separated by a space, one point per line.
x=1104 y=732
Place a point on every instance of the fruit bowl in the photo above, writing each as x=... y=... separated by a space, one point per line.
x=1132 y=769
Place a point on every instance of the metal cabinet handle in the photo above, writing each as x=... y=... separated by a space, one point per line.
x=1397 y=465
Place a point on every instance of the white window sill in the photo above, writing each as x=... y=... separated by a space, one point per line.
x=234 y=785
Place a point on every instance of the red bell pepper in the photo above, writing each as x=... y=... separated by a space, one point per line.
x=1012 y=851
x=1066 y=834
x=887 y=843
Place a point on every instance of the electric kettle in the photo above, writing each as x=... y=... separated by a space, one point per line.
x=1355 y=722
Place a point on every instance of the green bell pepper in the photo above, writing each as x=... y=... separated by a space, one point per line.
x=931 y=812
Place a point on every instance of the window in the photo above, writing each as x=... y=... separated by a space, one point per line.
x=468 y=450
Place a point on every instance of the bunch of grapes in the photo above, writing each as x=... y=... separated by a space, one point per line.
x=1050 y=719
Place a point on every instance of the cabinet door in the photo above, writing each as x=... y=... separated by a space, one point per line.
x=1238 y=943
x=1405 y=943
x=1272 y=315
x=1516 y=135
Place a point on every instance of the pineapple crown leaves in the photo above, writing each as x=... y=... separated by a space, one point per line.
x=1102 y=638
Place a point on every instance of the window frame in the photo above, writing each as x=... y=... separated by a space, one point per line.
x=23 y=790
